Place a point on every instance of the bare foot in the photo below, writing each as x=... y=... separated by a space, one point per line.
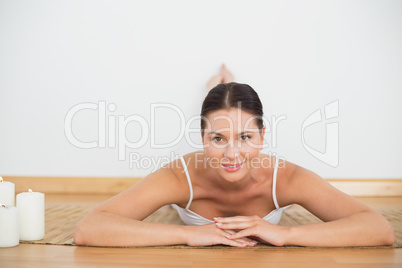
x=226 y=74
x=215 y=80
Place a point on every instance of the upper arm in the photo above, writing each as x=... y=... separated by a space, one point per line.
x=157 y=189
x=309 y=190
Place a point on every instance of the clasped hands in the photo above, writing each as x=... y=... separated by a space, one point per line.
x=250 y=229
x=238 y=231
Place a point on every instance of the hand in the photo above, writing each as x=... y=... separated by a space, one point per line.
x=209 y=234
x=253 y=226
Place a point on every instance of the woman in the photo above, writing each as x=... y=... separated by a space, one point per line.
x=232 y=194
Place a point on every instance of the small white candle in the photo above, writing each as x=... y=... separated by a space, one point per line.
x=9 y=231
x=31 y=215
x=7 y=193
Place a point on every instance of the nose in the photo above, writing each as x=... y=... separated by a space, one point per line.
x=232 y=151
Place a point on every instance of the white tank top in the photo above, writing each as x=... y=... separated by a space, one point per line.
x=191 y=218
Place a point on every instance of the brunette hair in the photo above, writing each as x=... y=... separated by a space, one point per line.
x=232 y=95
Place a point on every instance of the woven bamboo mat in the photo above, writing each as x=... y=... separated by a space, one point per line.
x=61 y=221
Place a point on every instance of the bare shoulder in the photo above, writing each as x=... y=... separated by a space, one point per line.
x=172 y=176
x=191 y=162
x=286 y=170
x=302 y=178
x=162 y=187
x=292 y=179
x=194 y=164
x=302 y=186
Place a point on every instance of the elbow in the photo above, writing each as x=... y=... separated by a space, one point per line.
x=86 y=232
x=79 y=235
x=381 y=233
x=83 y=233
x=389 y=236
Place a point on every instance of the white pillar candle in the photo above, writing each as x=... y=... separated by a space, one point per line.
x=7 y=193
x=31 y=215
x=9 y=231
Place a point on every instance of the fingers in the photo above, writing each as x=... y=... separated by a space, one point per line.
x=238 y=242
x=243 y=241
x=242 y=234
x=229 y=232
x=235 y=219
x=238 y=222
x=247 y=225
x=235 y=225
x=233 y=243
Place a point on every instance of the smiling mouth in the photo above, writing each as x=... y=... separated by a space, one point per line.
x=232 y=168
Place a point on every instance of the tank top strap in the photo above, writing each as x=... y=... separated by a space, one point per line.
x=274 y=182
x=188 y=180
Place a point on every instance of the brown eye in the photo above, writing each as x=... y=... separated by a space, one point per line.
x=245 y=137
x=217 y=139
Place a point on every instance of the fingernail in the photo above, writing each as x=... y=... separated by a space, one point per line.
x=228 y=236
x=218 y=223
x=217 y=218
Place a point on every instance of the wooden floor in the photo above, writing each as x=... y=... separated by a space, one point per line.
x=31 y=255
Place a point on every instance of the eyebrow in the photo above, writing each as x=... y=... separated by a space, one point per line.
x=219 y=134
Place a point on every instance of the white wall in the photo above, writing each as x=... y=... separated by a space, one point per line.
x=298 y=55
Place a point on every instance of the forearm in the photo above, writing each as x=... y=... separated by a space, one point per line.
x=107 y=229
x=361 y=229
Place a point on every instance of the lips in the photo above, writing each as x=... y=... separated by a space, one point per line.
x=232 y=168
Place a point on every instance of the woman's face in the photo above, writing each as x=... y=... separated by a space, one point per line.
x=231 y=141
